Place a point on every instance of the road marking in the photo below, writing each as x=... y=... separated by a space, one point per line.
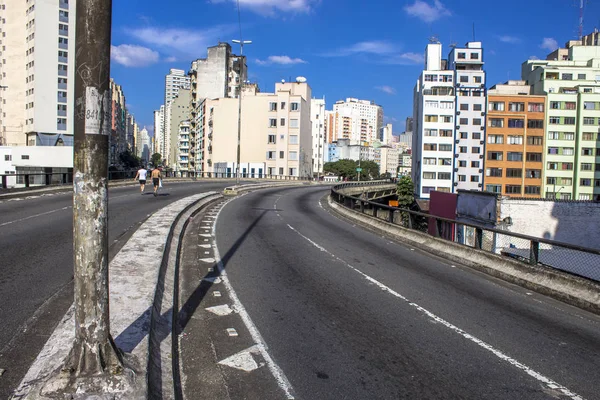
x=232 y=332
x=208 y=260
x=35 y=216
x=536 y=375
x=282 y=381
x=205 y=235
x=216 y=293
x=220 y=310
x=243 y=360
x=215 y=280
x=205 y=246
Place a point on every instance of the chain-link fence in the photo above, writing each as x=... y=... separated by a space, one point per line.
x=570 y=258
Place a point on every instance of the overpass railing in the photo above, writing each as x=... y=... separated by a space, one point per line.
x=28 y=180
x=577 y=260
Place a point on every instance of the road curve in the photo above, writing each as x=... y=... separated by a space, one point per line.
x=349 y=314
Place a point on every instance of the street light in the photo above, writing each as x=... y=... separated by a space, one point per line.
x=240 y=86
x=555 y=192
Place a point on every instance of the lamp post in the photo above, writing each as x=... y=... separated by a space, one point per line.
x=240 y=86
x=555 y=192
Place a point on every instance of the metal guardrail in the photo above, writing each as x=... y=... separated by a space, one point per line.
x=47 y=179
x=577 y=260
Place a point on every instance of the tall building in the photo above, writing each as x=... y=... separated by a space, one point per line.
x=175 y=80
x=276 y=135
x=570 y=79
x=449 y=121
x=131 y=134
x=159 y=130
x=178 y=113
x=144 y=145
x=118 y=127
x=357 y=120
x=317 y=119
x=515 y=140
x=38 y=60
x=385 y=134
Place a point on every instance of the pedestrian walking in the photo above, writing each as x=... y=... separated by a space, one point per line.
x=156 y=176
x=141 y=177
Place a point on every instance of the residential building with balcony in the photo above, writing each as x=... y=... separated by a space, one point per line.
x=276 y=135
x=178 y=113
x=37 y=69
x=117 y=140
x=317 y=119
x=570 y=80
x=515 y=141
x=357 y=120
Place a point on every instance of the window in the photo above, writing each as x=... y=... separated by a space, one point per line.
x=474 y=164
x=476 y=121
x=495 y=139
x=428 y=189
x=476 y=79
x=431 y=104
x=7 y=157
x=24 y=157
x=293 y=139
x=516 y=106
x=272 y=122
x=535 y=140
x=474 y=178
x=584 y=197
x=535 y=123
x=477 y=135
x=581 y=77
x=283 y=105
x=551 y=180
x=445 y=147
x=271 y=155
x=431 y=78
x=588 y=136
x=271 y=139
x=516 y=123
x=462 y=56
x=514 y=173
x=293 y=155
x=428 y=175
x=447 y=105
x=568 y=136
x=493 y=188
x=589 y=105
x=552 y=150
x=293 y=123
x=430 y=147
x=555 y=105
x=552 y=166
x=533 y=173
x=445 y=133
x=495 y=172
x=515 y=139
x=462 y=149
x=475 y=150
x=282 y=155
x=569 y=121
x=281 y=170
x=447 y=118
x=535 y=107
x=567 y=166
x=553 y=135
x=585 y=182
x=586 y=166
x=589 y=120
x=464 y=107
x=512 y=189
x=445 y=161
x=567 y=77
x=566 y=181
x=567 y=151
x=477 y=107
x=444 y=176
x=429 y=161
x=533 y=190
x=495 y=155
x=272 y=106
x=430 y=132
x=474 y=56
x=431 y=118
x=294 y=107
x=514 y=156
x=464 y=79
x=554 y=120
x=462 y=178
x=587 y=151
x=464 y=121
x=462 y=164
x=496 y=106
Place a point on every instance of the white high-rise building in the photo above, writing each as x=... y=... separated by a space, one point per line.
x=357 y=120
x=37 y=71
x=159 y=130
x=317 y=118
x=176 y=79
x=143 y=144
x=449 y=121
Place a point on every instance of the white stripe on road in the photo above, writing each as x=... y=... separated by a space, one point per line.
x=538 y=376
x=276 y=371
x=35 y=216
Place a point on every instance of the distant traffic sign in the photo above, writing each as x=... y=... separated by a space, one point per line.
x=358 y=169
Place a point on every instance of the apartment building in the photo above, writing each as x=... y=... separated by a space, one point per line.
x=118 y=127
x=159 y=130
x=276 y=135
x=317 y=119
x=175 y=80
x=178 y=112
x=386 y=134
x=357 y=120
x=144 y=145
x=449 y=120
x=570 y=80
x=37 y=71
x=515 y=141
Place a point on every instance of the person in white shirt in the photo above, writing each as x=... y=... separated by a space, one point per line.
x=141 y=176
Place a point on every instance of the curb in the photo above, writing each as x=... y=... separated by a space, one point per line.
x=570 y=289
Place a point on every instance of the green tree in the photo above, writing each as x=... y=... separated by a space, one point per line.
x=342 y=168
x=129 y=160
x=405 y=189
x=156 y=159
x=370 y=170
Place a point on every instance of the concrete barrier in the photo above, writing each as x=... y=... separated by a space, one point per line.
x=568 y=288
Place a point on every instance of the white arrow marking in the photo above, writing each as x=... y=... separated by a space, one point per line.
x=205 y=246
x=212 y=280
x=243 y=360
x=206 y=235
x=220 y=310
x=207 y=260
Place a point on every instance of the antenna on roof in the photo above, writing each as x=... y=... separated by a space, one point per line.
x=433 y=39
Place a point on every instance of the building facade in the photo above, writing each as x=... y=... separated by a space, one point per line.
x=175 y=80
x=515 y=141
x=178 y=118
x=357 y=120
x=159 y=130
x=37 y=71
x=570 y=80
x=317 y=118
x=118 y=128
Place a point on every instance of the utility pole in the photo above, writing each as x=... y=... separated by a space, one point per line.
x=94 y=352
x=241 y=88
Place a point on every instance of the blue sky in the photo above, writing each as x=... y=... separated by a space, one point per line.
x=367 y=49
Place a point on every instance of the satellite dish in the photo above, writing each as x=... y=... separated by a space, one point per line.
x=301 y=79
x=283 y=81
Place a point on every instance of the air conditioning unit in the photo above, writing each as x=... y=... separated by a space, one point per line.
x=483 y=128
x=483 y=113
x=457 y=141
x=480 y=171
x=456 y=156
x=481 y=156
x=455 y=183
x=480 y=185
x=457 y=126
x=455 y=169
x=458 y=113
x=481 y=142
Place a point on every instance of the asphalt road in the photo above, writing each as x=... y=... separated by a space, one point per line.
x=348 y=314
x=36 y=263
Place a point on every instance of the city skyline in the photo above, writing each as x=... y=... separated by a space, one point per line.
x=293 y=39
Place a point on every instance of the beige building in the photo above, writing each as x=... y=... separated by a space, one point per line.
x=276 y=135
x=357 y=120
x=177 y=112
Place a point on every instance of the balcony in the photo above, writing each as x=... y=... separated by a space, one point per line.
x=209 y=149
x=63 y=18
x=63 y=32
x=62 y=59
x=63 y=46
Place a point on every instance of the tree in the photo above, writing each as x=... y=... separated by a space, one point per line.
x=370 y=170
x=129 y=160
x=156 y=159
x=405 y=189
x=342 y=168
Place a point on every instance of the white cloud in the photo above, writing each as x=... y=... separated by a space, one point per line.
x=534 y=58
x=171 y=59
x=281 y=60
x=426 y=11
x=133 y=56
x=378 y=47
x=406 y=59
x=549 y=44
x=386 y=89
x=272 y=7
x=189 y=42
x=508 y=39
